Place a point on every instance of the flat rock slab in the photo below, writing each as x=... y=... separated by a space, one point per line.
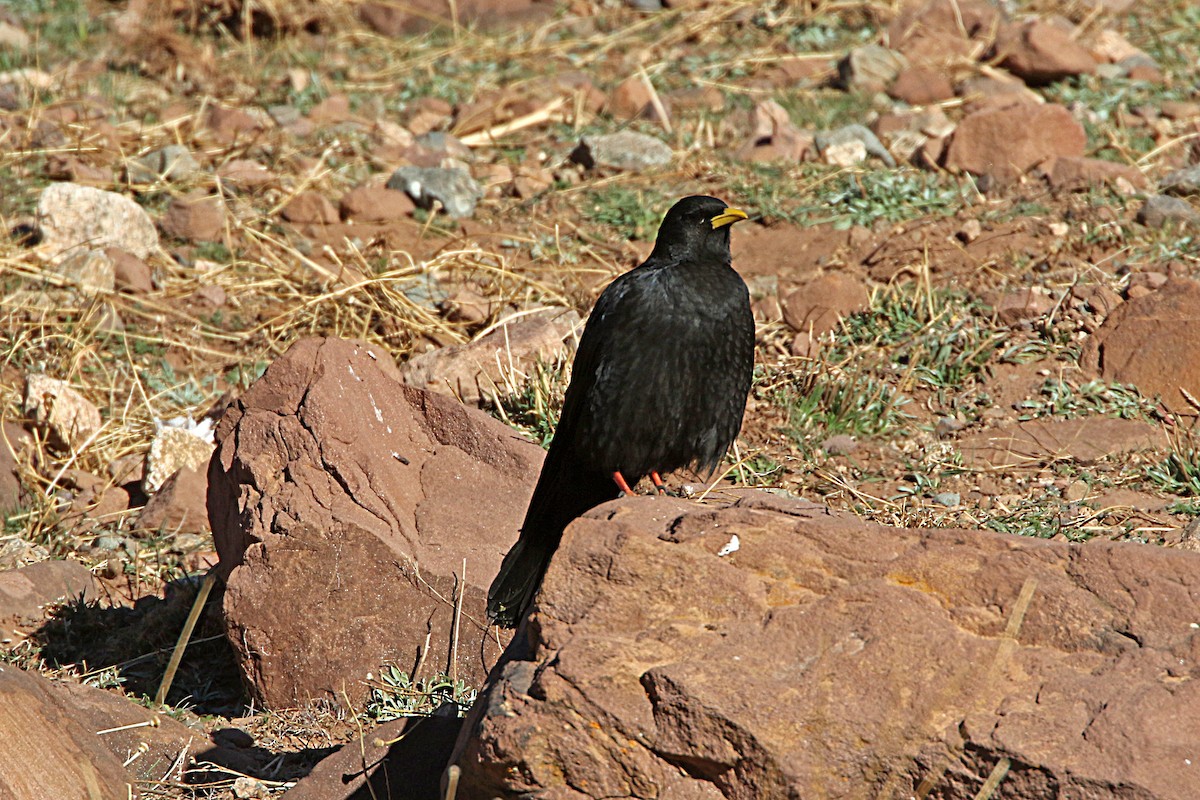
x=46 y=752
x=1044 y=441
x=827 y=657
x=343 y=504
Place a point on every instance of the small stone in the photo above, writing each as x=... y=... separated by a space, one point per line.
x=1004 y=143
x=310 y=208
x=1161 y=210
x=947 y=499
x=774 y=136
x=971 y=230
x=12 y=37
x=946 y=426
x=376 y=204
x=196 y=219
x=244 y=173
x=17 y=552
x=445 y=145
x=1059 y=229
x=1043 y=51
x=1181 y=181
x=627 y=151
x=839 y=445
x=130 y=273
x=455 y=189
x=1074 y=174
x=107 y=542
x=249 y=789
x=921 y=85
x=816 y=305
x=69 y=417
x=1023 y=304
x=178 y=444
x=845 y=154
x=1076 y=491
x=1179 y=109
x=70 y=216
x=90 y=271
x=1111 y=46
x=230 y=124
x=171 y=163
x=180 y=504
x=870 y=68
x=630 y=99
x=837 y=145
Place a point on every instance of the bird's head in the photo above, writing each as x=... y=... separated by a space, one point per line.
x=697 y=229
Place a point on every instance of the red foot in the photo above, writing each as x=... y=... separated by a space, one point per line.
x=658 y=482
x=621 y=484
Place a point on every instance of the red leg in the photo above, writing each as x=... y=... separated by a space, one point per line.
x=621 y=484
x=658 y=482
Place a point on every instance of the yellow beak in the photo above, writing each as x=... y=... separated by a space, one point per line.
x=728 y=217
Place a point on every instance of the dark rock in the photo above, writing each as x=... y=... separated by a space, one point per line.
x=1161 y=210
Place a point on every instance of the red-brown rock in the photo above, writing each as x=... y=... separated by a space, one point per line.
x=310 y=208
x=1070 y=174
x=774 y=136
x=941 y=31
x=25 y=592
x=46 y=752
x=817 y=305
x=1042 y=51
x=827 y=657
x=1039 y=442
x=1150 y=342
x=921 y=85
x=180 y=505
x=1006 y=143
x=130 y=273
x=343 y=504
x=376 y=204
x=1022 y=304
x=233 y=124
x=199 y=219
x=630 y=99
x=15 y=442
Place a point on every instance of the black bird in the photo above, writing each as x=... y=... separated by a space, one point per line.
x=659 y=383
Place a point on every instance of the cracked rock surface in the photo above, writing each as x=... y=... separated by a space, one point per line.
x=343 y=504
x=830 y=657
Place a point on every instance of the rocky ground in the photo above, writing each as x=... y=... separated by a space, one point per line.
x=972 y=250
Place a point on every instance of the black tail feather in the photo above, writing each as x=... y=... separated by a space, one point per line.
x=564 y=491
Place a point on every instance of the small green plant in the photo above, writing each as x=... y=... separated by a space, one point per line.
x=1178 y=473
x=940 y=339
x=822 y=403
x=892 y=196
x=534 y=403
x=396 y=695
x=634 y=213
x=242 y=375
x=1065 y=399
